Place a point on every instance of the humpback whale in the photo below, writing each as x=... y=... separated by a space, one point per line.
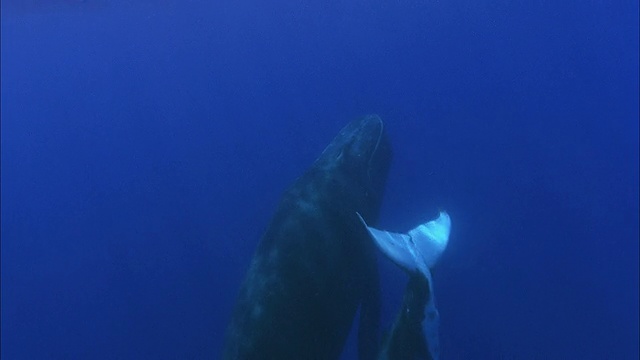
x=406 y=340
x=414 y=334
x=315 y=265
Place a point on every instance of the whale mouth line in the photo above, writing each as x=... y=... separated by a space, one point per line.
x=375 y=148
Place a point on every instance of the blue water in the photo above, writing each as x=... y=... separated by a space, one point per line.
x=145 y=145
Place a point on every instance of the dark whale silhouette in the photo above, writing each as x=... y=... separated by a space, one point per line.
x=315 y=265
x=406 y=340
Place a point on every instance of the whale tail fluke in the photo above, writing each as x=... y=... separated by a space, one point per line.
x=416 y=252
x=432 y=238
x=420 y=248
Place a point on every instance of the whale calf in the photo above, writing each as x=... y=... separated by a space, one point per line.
x=315 y=265
x=414 y=334
x=406 y=340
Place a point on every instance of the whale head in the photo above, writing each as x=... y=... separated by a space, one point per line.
x=360 y=156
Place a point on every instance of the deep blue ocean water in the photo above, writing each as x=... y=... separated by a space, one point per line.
x=145 y=145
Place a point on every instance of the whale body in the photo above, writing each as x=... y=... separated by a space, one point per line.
x=315 y=265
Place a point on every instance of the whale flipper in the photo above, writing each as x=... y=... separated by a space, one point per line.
x=415 y=252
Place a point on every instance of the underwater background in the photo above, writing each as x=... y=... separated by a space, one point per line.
x=145 y=145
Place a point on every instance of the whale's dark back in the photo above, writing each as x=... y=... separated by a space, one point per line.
x=315 y=263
